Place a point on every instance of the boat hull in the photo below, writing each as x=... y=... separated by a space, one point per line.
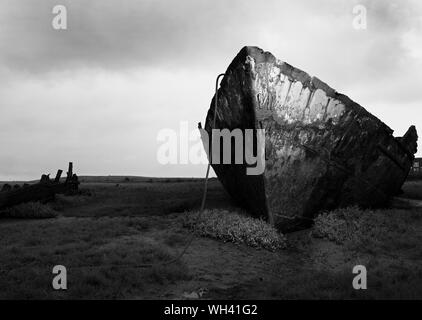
x=322 y=150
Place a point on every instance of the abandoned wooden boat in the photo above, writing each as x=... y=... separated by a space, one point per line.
x=322 y=150
x=42 y=191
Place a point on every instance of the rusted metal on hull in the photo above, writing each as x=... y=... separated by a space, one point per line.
x=322 y=149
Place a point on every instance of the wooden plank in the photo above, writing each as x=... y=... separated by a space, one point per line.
x=58 y=175
x=69 y=172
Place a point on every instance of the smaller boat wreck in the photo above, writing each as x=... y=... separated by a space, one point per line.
x=42 y=191
x=322 y=150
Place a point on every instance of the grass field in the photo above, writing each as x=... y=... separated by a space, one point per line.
x=118 y=224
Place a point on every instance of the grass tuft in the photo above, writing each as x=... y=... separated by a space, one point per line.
x=30 y=210
x=366 y=229
x=234 y=227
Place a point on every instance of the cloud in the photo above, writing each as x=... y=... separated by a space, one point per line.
x=99 y=91
x=113 y=36
x=318 y=36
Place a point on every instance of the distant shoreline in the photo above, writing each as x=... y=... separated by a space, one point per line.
x=117 y=179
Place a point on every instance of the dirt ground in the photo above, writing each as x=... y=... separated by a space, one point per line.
x=105 y=236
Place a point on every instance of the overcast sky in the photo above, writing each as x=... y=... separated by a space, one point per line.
x=98 y=93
